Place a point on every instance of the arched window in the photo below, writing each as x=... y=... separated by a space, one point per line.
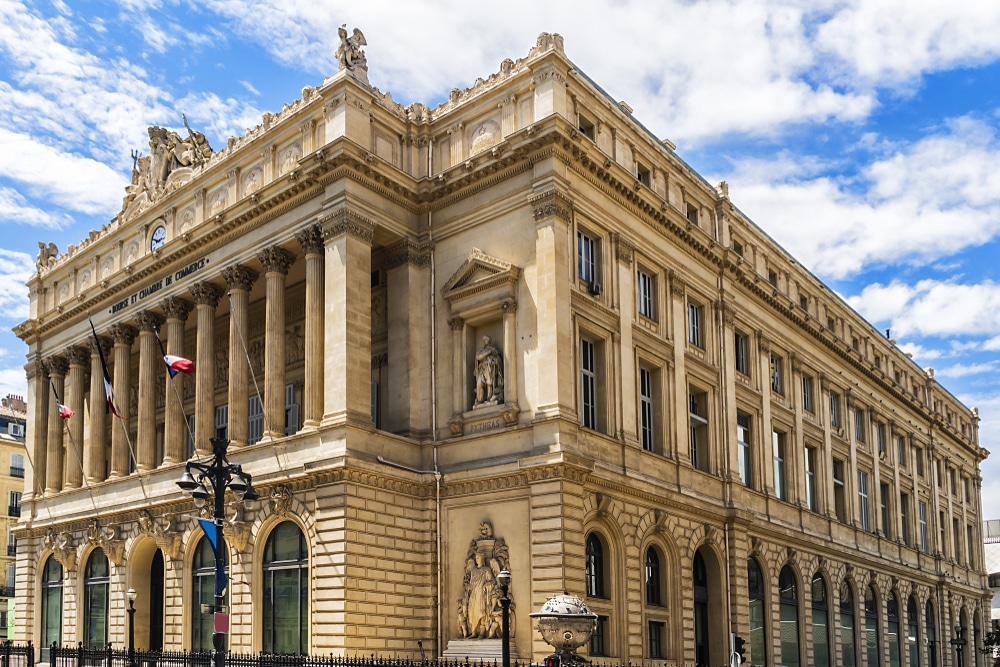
x=788 y=596
x=203 y=593
x=96 y=580
x=931 y=625
x=912 y=625
x=892 y=619
x=848 y=656
x=871 y=627
x=820 y=622
x=758 y=631
x=286 y=591
x=52 y=597
x=595 y=567
x=654 y=594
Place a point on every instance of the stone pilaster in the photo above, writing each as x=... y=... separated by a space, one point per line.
x=78 y=358
x=54 y=453
x=239 y=279
x=206 y=296
x=174 y=429
x=276 y=262
x=312 y=245
x=150 y=360
x=36 y=435
x=96 y=446
x=123 y=335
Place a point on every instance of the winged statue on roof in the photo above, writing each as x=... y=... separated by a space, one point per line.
x=349 y=52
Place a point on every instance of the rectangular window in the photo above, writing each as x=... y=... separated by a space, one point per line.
x=597 y=646
x=864 y=513
x=742 y=362
x=17 y=465
x=951 y=481
x=956 y=537
x=645 y=294
x=918 y=457
x=656 y=640
x=922 y=511
x=901 y=451
x=807 y=393
x=588 y=383
x=642 y=174
x=780 y=485
x=696 y=333
x=811 y=500
x=970 y=546
x=586 y=258
x=883 y=497
x=942 y=537
x=834 y=410
x=777 y=375
x=222 y=421
x=291 y=411
x=14 y=504
x=839 y=498
x=904 y=516
x=587 y=128
x=745 y=449
x=698 y=419
x=646 y=423
x=880 y=437
x=255 y=420
x=859 y=425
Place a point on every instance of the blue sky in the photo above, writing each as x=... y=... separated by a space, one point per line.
x=861 y=135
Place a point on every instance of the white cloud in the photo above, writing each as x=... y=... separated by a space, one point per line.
x=933 y=308
x=15 y=208
x=13 y=381
x=963 y=370
x=15 y=269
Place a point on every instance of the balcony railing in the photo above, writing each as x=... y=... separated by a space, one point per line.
x=16 y=472
x=6 y=591
x=13 y=510
x=11 y=549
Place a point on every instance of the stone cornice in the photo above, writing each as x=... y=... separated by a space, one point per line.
x=346 y=221
x=407 y=251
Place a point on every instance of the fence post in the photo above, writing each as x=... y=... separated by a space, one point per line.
x=31 y=654
x=110 y=656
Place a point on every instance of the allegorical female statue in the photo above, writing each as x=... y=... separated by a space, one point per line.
x=479 y=610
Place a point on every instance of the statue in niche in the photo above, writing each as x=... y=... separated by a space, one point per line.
x=349 y=53
x=489 y=375
x=479 y=609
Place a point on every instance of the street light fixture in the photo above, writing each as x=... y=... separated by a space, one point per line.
x=131 y=626
x=503 y=578
x=959 y=643
x=220 y=474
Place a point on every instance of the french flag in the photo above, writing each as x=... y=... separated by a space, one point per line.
x=108 y=390
x=177 y=365
x=64 y=412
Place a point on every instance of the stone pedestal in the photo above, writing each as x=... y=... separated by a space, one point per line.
x=478 y=649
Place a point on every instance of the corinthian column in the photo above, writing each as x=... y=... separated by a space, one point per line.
x=149 y=360
x=275 y=261
x=96 y=447
x=54 y=455
x=174 y=429
x=78 y=358
x=206 y=296
x=124 y=336
x=312 y=245
x=36 y=434
x=239 y=279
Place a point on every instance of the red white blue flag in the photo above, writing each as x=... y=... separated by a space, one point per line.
x=64 y=411
x=108 y=390
x=177 y=365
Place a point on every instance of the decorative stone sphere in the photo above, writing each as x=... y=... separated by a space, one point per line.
x=566 y=624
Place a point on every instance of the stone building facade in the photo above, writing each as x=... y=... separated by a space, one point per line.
x=515 y=331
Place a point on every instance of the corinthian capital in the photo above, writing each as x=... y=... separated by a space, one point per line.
x=275 y=259
x=240 y=277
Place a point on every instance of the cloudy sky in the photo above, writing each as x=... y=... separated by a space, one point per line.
x=861 y=134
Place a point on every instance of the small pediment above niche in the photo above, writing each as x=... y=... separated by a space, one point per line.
x=480 y=282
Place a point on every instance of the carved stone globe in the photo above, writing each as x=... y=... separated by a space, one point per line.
x=566 y=624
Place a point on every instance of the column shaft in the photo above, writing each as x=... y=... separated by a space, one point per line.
x=207 y=296
x=124 y=336
x=239 y=279
x=150 y=360
x=54 y=454
x=276 y=262
x=312 y=244
x=36 y=435
x=78 y=357
x=175 y=433
x=96 y=446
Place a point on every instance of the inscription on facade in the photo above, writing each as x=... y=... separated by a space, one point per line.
x=155 y=287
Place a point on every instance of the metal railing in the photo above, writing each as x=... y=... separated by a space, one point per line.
x=13 y=510
x=6 y=591
x=11 y=549
x=17 y=655
x=16 y=471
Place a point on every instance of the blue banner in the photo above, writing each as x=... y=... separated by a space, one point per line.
x=214 y=536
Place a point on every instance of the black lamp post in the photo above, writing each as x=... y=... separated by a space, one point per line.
x=220 y=473
x=131 y=627
x=959 y=643
x=504 y=580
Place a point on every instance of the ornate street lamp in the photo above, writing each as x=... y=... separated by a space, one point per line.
x=220 y=473
x=131 y=626
x=503 y=578
x=959 y=643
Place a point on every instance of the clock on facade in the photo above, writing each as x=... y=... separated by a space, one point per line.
x=158 y=238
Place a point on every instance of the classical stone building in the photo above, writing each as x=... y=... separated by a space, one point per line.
x=515 y=330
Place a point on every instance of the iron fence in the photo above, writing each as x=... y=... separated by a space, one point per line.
x=17 y=655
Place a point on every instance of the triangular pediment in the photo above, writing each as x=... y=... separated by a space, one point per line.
x=481 y=273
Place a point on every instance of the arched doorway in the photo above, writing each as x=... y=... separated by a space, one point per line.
x=711 y=642
x=145 y=575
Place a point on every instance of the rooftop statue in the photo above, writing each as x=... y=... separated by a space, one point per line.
x=168 y=152
x=349 y=52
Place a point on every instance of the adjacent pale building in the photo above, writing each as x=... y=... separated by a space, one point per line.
x=515 y=330
x=13 y=413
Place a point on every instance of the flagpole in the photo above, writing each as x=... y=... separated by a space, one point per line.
x=253 y=375
x=180 y=401
x=72 y=441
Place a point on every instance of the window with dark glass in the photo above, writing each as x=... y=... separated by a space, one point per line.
x=931 y=625
x=745 y=453
x=587 y=252
x=892 y=629
x=653 y=579
x=811 y=495
x=884 y=507
x=742 y=361
x=820 y=622
x=96 y=581
x=588 y=383
x=286 y=591
x=912 y=628
x=52 y=599
x=834 y=410
x=597 y=644
x=777 y=374
x=848 y=654
x=758 y=614
x=874 y=655
x=698 y=421
x=595 y=567
x=864 y=512
x=701 y=632
x=780 y=483
x=788 y=598
x=839 y=500
x=645 y=294
x=696 y=325
x=647 y=422
x=807 y=393
x=656 y=639
x=203 y=593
